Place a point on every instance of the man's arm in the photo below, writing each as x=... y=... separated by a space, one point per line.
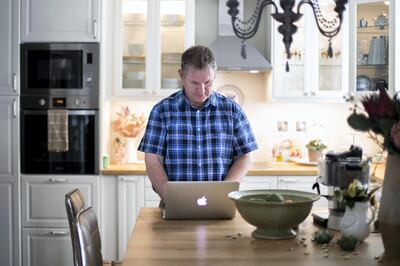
x=156 y=172
x=239 y=167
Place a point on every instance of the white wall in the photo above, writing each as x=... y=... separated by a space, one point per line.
x=326 y=121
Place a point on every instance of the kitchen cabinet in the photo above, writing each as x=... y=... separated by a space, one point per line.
x=303 y=183
x=372 y=38
x=9 y=182
x=312 y=74
x=60 y=21
x=122 y=198
x=150 y=38
x=45 y=229
x=130 y=201
x=258 y=182
x=9 y=47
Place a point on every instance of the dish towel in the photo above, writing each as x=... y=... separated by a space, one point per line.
x=57 y=130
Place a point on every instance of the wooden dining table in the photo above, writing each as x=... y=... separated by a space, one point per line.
x=155 y=241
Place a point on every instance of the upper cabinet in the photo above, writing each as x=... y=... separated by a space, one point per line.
x=372 y=36
x=312 y=73
x=150 y=38
x=60 y=21
x=8 y=47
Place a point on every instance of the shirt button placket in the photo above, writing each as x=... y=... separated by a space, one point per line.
x=198 y=140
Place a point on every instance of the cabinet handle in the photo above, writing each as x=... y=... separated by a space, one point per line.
x=58 y=180
x=94 y=29
x=14 y=108
x=313 y=93
x=58 y=233
x=289 y=180
x=305 y=93
x=14 y=82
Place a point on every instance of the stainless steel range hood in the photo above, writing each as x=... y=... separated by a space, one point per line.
x=227 y=46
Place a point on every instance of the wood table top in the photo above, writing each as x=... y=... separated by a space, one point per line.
x=155 y=241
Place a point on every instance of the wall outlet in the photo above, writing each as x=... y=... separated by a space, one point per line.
x=282 y=126
x=301 y=126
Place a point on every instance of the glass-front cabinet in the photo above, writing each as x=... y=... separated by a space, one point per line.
x=312 y=73
x=151 y=38
x=371 y=57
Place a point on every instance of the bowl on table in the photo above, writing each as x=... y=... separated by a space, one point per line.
x=274 y=212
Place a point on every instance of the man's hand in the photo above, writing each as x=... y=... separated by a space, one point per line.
x=239 y=168
x=156 y=172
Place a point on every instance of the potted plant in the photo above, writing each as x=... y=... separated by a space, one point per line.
x=315 y=148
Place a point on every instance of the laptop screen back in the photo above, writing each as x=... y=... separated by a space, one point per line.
x=200 y=200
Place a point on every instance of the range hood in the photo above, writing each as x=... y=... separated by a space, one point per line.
x=227 y=47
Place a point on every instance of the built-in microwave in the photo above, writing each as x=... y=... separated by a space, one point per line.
x=59 y=68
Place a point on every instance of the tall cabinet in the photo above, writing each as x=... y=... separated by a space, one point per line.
x=9 y=180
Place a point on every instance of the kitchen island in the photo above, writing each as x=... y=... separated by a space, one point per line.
x=155 y=241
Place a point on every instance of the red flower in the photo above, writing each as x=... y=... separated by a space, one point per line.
x=379 y=106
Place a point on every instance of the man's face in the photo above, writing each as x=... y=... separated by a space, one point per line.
x=197 y=84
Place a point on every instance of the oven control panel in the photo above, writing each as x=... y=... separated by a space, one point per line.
x=56 y=102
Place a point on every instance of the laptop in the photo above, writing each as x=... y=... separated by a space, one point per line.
x=199 y=200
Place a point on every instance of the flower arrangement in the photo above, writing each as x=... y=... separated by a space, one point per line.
x=315 y=145
x=356 y=192
x=381 y=120
x=127 y=123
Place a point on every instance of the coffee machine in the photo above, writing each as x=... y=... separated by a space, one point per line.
x=336 y=171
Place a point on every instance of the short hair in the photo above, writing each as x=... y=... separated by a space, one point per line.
x=198 y=57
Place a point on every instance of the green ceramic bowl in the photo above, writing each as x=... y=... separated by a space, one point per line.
x=274 y=212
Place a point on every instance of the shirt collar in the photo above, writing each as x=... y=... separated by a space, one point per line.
x=183 y=101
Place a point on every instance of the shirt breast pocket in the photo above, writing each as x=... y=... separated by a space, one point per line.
x=221 y=140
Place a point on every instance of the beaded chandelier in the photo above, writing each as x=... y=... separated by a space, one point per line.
x=246 y=29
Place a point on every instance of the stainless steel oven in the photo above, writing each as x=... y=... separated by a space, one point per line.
x=59 y=68
x=83 y=138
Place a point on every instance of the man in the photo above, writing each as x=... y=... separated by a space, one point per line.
x=196 y=134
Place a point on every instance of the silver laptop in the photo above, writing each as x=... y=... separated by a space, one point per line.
x=199 y=200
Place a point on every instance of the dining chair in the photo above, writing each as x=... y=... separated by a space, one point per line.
x=74 y=202
x=88 y=236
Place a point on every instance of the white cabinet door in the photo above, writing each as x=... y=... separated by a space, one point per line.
x=43 y=198
x=46 y=247
x=9 y=229
x=312 y=74
x=8 y=46
x=151 y=198
x=9 y=138
x=372 y=52
x=302 y=183
x=130 y=201
x=150 y=37
x=60 y=21
x=258 y=182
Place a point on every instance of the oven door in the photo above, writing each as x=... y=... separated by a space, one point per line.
x=82 y=155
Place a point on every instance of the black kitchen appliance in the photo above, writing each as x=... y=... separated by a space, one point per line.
x=59 y=68
x=63 y=76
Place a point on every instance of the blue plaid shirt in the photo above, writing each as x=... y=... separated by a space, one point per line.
x=197 y=144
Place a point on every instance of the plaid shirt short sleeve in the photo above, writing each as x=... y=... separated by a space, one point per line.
x=197 y=144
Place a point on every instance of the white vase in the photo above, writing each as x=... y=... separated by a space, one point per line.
x=355 y=221
x=131 y=150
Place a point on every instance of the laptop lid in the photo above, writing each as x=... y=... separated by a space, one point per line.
x=199 y=200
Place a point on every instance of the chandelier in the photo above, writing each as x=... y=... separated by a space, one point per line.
x=246 y=29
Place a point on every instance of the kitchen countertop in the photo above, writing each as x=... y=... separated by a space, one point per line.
x=155 y=241
x=256 y=169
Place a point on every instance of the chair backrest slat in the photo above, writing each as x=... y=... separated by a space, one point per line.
x=89 y=238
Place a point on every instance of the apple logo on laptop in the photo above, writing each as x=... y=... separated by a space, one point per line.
x=202 y=201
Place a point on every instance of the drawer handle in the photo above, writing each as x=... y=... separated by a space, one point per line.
x=58 y=233
x=289 y=180
x=58 y=180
